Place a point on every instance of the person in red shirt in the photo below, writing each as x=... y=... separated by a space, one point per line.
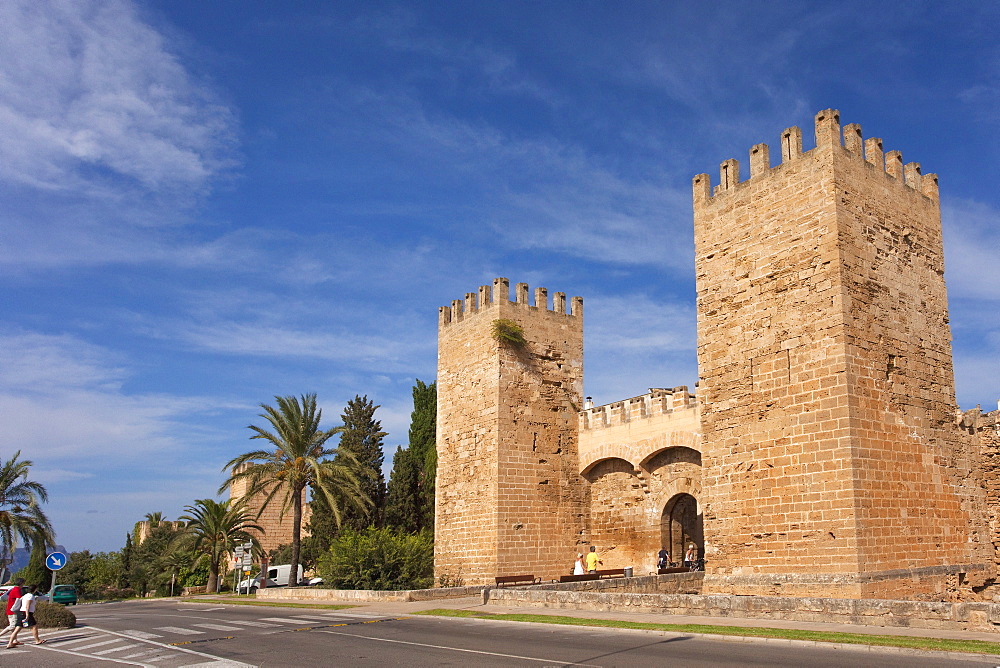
x=13 y=594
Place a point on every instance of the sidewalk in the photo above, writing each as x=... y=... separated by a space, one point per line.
x=391 y=608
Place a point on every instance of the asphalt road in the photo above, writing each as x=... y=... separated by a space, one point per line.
x=175 y=634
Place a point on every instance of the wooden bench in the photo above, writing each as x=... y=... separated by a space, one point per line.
x=611 y=573
x=513 y=580
x=579 y=578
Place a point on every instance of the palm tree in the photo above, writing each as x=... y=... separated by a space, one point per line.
x=298 y=458
x=216 y=528
x=154 y=519
x=20 y=514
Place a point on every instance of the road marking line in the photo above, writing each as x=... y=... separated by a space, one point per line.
x=143 y=653
x=283 y=620
x=114 y=649
x=46 y=648
x=179 y=631
x=96 y=644
x=218 y=627
x=73 y=641
x=560 y=662
x=262 y=625
x=168 y=648
x=353 y=614
x=141 y=635
x=201 y=609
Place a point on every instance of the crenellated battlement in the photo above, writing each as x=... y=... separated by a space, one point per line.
x=489 y=296
x=828 y=135
x=658 y=401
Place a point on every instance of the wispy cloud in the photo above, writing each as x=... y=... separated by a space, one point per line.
x=103 y=134
x=89 y=91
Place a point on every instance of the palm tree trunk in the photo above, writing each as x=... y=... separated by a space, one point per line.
x=293 y=574
x=213 y=578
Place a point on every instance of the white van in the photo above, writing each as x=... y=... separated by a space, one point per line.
x=277 y=576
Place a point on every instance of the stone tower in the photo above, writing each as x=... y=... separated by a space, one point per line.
x=832 y=465
x=278 y=526
x=509 y=495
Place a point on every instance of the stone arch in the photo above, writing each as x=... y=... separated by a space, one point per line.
x=680 y=454
x=623 y=451
x=638 y=452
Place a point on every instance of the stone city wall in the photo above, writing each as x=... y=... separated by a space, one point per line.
x=872 y=612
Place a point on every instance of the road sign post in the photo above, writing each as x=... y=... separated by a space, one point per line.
x=54 y=561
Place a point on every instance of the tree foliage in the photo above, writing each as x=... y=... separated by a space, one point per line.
x=21 y=516
x=145 y=572
x=77 y=572
x=215 y=528
x=361 y=437
x=410 y=504
x=380 y=559
x=297 y=457
x=35 y=573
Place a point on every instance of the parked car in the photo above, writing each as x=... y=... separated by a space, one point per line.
x=65 y=594
x=277 y=576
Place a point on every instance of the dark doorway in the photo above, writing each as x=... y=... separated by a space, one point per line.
x=680 y=526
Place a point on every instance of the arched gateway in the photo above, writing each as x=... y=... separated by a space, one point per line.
x=681 y=525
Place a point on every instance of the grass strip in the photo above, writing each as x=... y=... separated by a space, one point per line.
x=268 y=604
x=910 y=642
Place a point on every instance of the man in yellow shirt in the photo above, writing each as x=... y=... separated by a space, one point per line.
x=592 y=560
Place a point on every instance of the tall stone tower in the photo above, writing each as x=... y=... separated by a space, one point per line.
x=832 y=465
x=509 y=495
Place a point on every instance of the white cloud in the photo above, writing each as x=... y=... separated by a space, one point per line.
x=971 y=249
x=87 y=89
x=69 y=405
x=104 y=137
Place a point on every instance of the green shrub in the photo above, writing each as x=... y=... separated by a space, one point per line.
x=380 y=559
x=509 y=333
x=54 y=616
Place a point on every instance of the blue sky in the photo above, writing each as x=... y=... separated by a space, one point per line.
x=205 y=204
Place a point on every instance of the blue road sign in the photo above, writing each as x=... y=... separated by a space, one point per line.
x=55 y=560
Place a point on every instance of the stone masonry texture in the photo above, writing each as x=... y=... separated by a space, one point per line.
x=825 y=357
x=824 y=454
x=509 y=497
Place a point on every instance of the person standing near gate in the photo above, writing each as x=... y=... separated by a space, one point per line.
x=592 y=560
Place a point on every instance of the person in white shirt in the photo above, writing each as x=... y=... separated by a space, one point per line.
x=26 y=617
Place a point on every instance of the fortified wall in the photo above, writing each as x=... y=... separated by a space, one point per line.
x=821 y=456
x=641 y=458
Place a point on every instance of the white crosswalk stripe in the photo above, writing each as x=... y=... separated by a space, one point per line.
x=143 y=635
x=283 y=620
x=262 y=625
x=179 y=630
x=218 y=627
x=96 y=644
x=116 y=649
x=104 y=645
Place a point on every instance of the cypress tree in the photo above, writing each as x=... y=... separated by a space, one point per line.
x=362 y=437
x=410 y=506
